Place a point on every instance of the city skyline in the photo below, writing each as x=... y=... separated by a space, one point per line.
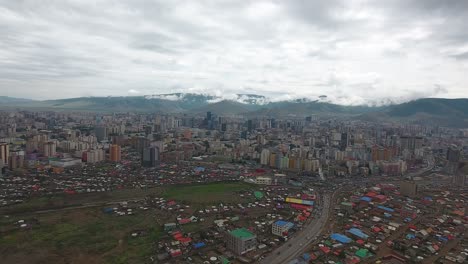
x=355 y=52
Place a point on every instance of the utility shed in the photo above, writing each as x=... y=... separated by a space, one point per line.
x=362 y=253
x=341 y=238
x=358 y=233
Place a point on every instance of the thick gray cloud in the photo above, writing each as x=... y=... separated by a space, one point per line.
x=352 y=51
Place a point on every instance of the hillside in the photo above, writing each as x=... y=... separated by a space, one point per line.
x=444 y=112
x=167 y=103
x=225 y=107
x=13 y=100
x=432 y=106
x=301 y=109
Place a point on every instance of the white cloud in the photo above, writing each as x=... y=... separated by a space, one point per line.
x=352 y=51
x=133 y=91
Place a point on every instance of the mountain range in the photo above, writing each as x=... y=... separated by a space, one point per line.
x=445 y=112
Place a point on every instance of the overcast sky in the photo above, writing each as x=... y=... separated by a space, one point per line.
x=352 y=51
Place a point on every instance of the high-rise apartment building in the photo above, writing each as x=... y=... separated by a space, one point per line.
x=383 y=153
x=140 y=143
x=265 y=157
x=150 y=157
x=101 y=133
x=95 y=155
x=115 y=153
x=16 y=160
x=453 y=154
x=459 y=180
x=453 y=158
x=411 y=143
x=4 y=152
x=49 y=149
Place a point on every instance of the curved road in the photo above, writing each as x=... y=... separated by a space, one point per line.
x=299 y=243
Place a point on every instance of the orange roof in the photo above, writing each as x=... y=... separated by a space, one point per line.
x=458 y=212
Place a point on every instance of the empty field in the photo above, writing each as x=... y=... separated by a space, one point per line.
x=87 y=235
x=208 y=193
x=79 y=236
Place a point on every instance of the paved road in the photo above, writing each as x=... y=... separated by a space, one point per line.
x=428 y=168
x=75 y=206
x=299 y=242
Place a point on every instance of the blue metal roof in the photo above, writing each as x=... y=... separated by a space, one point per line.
x=341 y=238
x=199 y=245
x=386 y=208
x=283 y=223
x=358 y=233
x=280 y=222
x=366 y=199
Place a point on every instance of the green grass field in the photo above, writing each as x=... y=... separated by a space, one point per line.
x=65 y=200
x=201 y=194
x=88 y=234
x=208 y=193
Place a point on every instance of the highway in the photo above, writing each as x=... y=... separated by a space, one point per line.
x=299 y=243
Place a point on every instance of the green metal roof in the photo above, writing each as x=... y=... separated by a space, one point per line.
x=242 y=233
x=362 y=253
x=258 y=195
x=224 y=260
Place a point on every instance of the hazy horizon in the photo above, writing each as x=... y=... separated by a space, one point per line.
x=241 y=98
